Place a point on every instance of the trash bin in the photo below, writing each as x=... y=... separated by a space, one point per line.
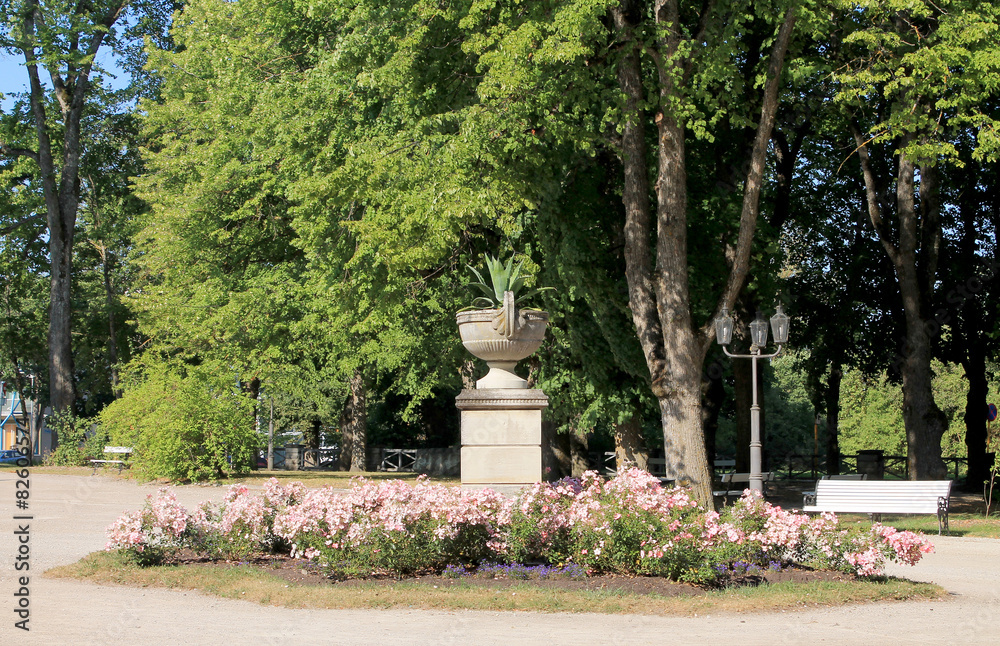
x=872 y=463
x=293 y=457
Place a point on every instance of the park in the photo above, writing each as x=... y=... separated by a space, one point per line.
x=660 y=316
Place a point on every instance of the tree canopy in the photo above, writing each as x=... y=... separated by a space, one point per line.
x=286 y=196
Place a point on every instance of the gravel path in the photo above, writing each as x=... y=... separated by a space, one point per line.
x=71 y=512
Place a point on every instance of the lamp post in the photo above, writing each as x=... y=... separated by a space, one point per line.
x=758 y=338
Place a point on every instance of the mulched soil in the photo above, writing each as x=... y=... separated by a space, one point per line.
x=304 y=572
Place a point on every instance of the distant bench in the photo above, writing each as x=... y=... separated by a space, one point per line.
x=877 y=497
x=124 y=451
x=730 y=480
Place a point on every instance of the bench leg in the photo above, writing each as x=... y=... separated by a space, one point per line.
x=942 y=514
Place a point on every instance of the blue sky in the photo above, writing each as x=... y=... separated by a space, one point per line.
x=14 y=78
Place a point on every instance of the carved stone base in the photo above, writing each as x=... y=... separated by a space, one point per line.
x=501 y=437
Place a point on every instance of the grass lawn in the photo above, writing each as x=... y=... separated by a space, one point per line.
x=257 y=584
x=961 y=524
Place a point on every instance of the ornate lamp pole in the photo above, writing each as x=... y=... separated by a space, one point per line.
x=758 y=337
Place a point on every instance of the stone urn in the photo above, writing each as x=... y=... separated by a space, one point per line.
x=502 y=337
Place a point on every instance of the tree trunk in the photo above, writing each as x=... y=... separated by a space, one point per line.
x=914 y=260
x=557 y=461
x=975 y=416
x=970 y=330
x=660 y=299
x=684 y=443
x=579 y=447
x=630 y=448
x=346 y=439
x=924 y=421
x=62 y=389
x=833 y=419
x=356 y=420
x=109 y=300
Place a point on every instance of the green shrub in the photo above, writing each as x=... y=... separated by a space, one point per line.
x=184 y=423
x=79 y=441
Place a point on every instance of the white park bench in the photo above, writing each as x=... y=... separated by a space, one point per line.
x=877 y=497
x=124 y=451
x=730 y=480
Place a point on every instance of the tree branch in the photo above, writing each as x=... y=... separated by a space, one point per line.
x=758 y=158
x=13 y=153
x=871 y=195
x=7 y=230
x=635 y=198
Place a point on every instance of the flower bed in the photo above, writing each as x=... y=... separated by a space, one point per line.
x=626 y=525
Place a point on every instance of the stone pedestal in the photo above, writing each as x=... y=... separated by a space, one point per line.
x=501 y=437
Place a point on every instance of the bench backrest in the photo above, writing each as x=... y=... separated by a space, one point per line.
x=846 y=476
x=882 y=496
x=117 y=449
x=727 y=478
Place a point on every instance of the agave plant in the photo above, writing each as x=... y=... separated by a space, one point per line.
x=504 y=277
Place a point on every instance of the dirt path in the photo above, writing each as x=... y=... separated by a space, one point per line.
x=71 y=512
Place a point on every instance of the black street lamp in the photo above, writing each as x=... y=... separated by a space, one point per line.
x=758 y=337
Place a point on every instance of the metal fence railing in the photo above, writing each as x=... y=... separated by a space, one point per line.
x=798 y=466
x=397 y=460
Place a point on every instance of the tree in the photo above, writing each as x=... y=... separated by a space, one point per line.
x=260 y=200
x=970 y=279
x=933 y=67
x=674 y=346
x=64 y=42
x=66 y=49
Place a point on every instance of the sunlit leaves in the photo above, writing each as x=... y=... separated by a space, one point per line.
x=936 y=63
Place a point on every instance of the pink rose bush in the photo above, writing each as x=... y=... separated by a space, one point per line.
x=243 y=524
x=629 y=524
x=153 y=533
x=393 y=526
x=754 y=531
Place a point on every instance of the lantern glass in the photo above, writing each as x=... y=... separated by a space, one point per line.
x=779 y=326
x=724 y=328
x=758 y=331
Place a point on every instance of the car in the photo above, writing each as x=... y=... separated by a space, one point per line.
x=10 y=456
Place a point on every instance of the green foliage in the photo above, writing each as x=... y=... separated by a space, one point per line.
x=78 y=441
x=936 y=64
x=788 y=412
x=183 y=422
x=872 y=412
